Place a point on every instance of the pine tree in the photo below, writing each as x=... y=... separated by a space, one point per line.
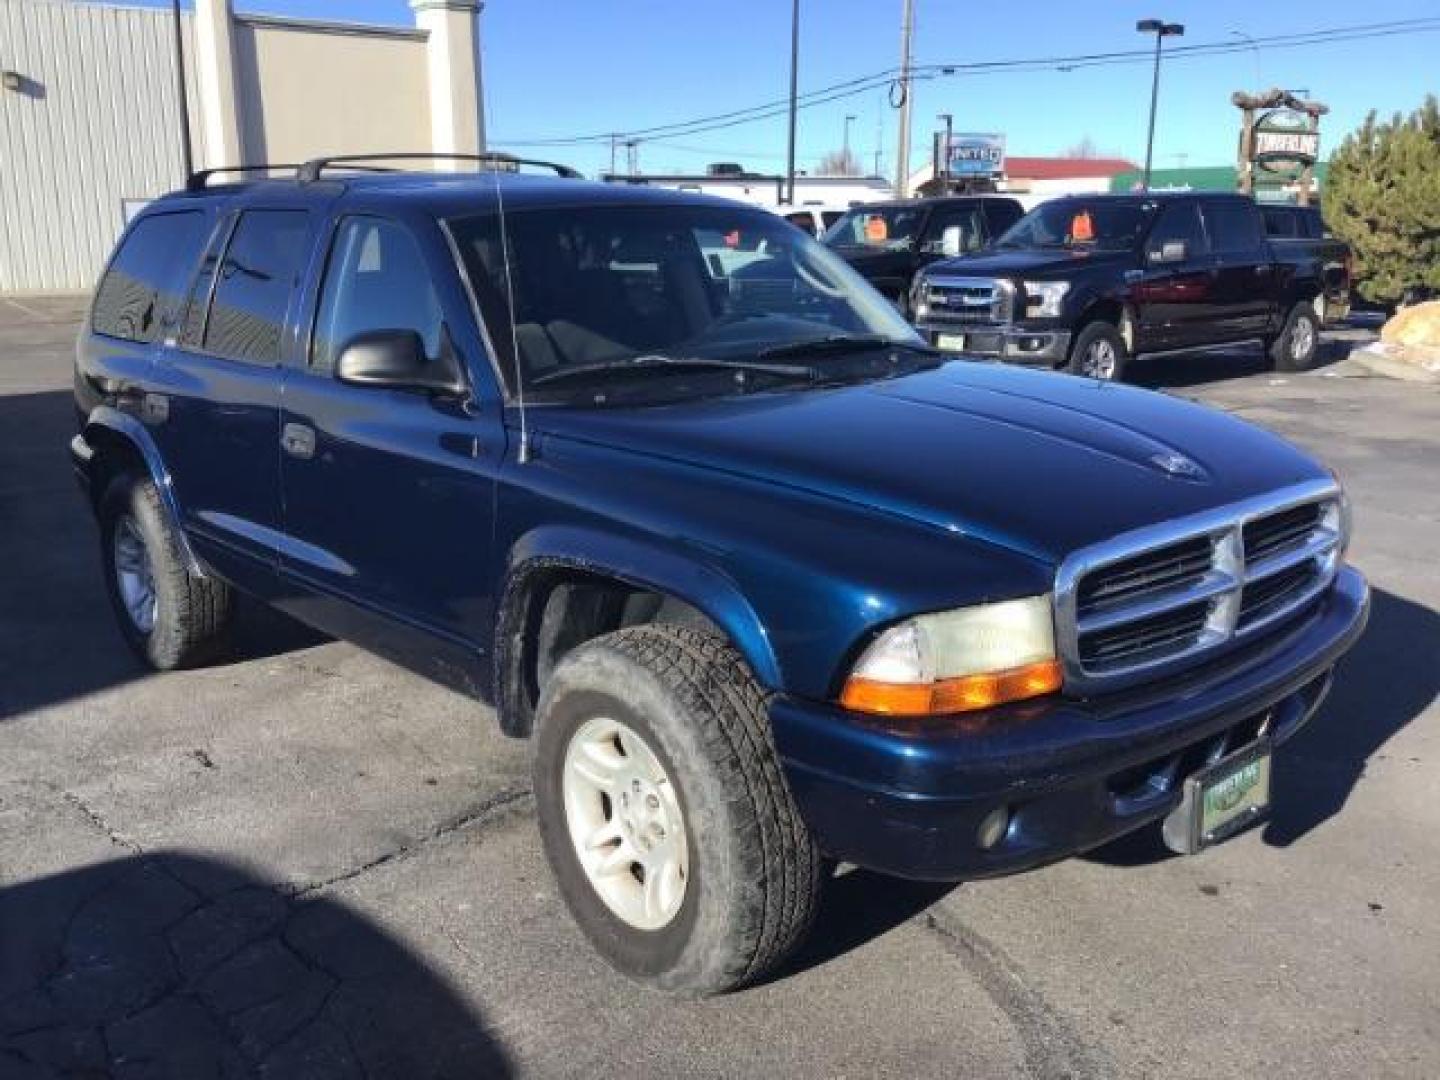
x=1382 y=197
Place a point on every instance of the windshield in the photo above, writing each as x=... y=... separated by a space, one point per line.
x=1081 y=224
x=888 y=228
x=612 y=290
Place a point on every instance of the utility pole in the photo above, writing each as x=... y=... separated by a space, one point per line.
x=794 y=77
x=632 y=156
x=944 y=161
x=1161 y=30
x=849 y=117
x=902 y=150
x=187 y=160
x=614 y=143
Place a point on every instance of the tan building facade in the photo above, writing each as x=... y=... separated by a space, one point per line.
x=89 y=110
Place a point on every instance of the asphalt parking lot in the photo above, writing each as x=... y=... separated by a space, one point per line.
x=312 y=863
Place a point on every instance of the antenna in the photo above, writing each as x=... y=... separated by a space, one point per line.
x=522 y=457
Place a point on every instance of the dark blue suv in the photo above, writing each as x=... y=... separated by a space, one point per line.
x=769 y=582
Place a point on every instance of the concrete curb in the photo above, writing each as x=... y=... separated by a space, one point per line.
x=1377 y=362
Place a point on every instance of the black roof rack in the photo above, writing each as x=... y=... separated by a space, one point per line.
x=199 y=181
x=311 y=170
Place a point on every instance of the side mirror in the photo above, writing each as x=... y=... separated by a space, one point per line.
x=950 y=240
x=1172 y=251
x=396 y=359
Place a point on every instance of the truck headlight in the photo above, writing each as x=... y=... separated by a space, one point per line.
x=918 y=307
x=1042 y=298
x=956 y=661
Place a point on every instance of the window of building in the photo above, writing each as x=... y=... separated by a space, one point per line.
x=144 y=282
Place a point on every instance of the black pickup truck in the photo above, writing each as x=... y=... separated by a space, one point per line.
x=1086 y=282
x=889 y=242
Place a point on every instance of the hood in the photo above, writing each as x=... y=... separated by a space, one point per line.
x=1036 y=462
x=1028 y=262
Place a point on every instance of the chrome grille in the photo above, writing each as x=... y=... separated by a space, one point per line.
x=1162 y=598
x=962 y=301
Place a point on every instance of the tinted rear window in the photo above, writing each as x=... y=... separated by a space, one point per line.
x=260 y=269
x=1234 y=228
x=147 y=276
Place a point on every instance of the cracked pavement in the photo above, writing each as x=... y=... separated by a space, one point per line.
x=307 y=862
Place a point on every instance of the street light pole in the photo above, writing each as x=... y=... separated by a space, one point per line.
x=945 y=152
x=794 y=76
x=1161 y=30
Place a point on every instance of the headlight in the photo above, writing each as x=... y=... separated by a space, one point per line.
x=1042 y=298
x=956 y=661
x=918 y=307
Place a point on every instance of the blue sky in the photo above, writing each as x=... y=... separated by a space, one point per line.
x=564 y=67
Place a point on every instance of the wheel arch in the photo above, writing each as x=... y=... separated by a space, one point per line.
x=119 y=443
x=565 y=585
x=1109 y=309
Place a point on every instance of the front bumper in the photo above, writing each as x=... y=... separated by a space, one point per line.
x=1011 y=343
x=1072 y=774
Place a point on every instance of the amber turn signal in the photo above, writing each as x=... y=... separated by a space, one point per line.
x=964 y=694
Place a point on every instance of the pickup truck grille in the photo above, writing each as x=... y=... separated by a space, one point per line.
x=1163 y=598
x=962 y=301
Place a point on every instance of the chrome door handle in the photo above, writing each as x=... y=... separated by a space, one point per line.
x=298 y=440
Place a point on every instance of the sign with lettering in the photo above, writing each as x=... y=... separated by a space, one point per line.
x=977 y=155
x=1284 y=142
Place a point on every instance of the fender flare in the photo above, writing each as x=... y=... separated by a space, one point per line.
x=126 y=428
x=635 y=561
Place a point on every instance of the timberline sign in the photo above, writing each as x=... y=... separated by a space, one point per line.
x=1285 y=143
x=1279 y=140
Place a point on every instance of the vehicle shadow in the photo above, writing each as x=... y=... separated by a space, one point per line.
x=1182 y=370
x=58 y=638
x=1389 y=678
x=170 y=965
x=857 y=907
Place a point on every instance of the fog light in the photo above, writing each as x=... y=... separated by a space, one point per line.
x=992 y=828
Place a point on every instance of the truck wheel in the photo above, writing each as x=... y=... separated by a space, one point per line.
x=171 y=617
x=1295 y=348
x=665 y=815
x=1098 y=352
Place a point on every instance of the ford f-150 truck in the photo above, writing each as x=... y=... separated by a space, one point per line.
x=768 y=582
x=1086 y=282
x=890 y=242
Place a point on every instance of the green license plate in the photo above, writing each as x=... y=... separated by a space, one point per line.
x=1221 y=799
x=950 y=342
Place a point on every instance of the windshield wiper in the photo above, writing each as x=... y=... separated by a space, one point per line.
x=840 y=343
x=655 y=363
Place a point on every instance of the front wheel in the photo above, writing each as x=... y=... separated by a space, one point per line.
x=1295 y=348
x=665 y=815
x=1098 y=352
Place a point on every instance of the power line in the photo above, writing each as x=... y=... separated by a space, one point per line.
x=924 y=72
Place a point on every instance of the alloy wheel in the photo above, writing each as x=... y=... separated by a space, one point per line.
x=1099 y=360
x=625 y=822
x=134 y=576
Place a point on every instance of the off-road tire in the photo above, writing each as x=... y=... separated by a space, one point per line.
x=754 y=870
x=1092 y=335
x=192 y=613
x=1303 y=323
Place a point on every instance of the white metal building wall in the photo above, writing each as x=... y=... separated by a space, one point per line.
x=94 y=123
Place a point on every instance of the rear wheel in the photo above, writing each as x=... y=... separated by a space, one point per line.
x=666 y=817
x=170 y=616
x=1099 y=352
x=1295 y=348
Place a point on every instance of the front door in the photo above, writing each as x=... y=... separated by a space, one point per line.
x=1172 y=293
x=389 y=493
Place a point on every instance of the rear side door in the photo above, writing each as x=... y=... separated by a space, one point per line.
x=1172 y=291
x=388 y=493
x=1245 y=285
x=223 y=377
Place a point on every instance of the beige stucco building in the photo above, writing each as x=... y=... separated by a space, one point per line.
x=89 y=109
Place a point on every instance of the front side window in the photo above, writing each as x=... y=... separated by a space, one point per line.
x=1178 y=222
x=600 y=287
x=1234 y=228
x=884 y=227
x=1082 y=225
x=376 y=279
x=142 y=286
x=256 y=278
x=969 y=230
